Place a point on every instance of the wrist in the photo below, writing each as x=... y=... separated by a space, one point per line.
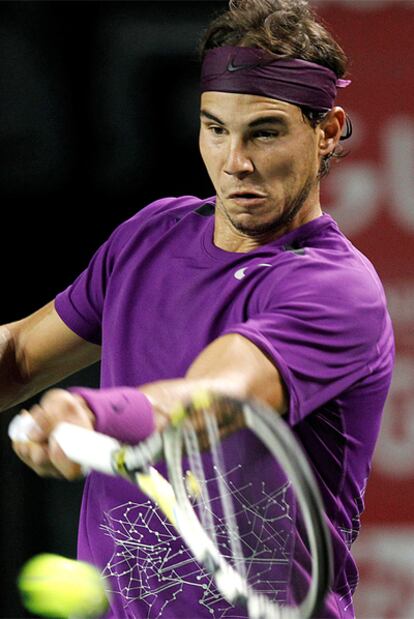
x=122 y=412
x=86 y=409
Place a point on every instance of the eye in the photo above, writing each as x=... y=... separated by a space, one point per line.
x=262 y=134
x=216 y=130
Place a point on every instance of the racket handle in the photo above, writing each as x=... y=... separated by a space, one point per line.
x=92 y=450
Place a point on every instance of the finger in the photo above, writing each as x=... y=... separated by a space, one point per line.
x=57 y=405
x=61 y=405
x=67 y=468
x=42 y=425
x=36 y=457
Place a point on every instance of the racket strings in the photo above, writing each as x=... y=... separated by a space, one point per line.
x=233 y=535
x=239 y=578
x=196 y=482
x=228 y=416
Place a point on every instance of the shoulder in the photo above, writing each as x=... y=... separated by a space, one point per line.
x=324 y=276
x=172 y=208
x=157 y=216
x=323 y=261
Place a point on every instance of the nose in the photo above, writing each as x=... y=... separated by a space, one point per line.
x=238 y=163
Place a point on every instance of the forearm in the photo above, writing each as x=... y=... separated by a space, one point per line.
x=164 y=394
x=19 y=382
x=230 y=365
x=14 y=387
x=36 y=353
x=22 y=376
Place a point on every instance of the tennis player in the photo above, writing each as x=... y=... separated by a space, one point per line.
x=254 y=291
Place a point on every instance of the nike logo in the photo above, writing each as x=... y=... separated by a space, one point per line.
x=242 y=272
x=231 y=67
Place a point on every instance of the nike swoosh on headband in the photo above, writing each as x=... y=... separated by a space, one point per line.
x=238 y=67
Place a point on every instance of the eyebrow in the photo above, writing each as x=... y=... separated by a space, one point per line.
x=263 y=120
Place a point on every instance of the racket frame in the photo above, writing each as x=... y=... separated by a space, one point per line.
x=136 y=464
x=172 y=498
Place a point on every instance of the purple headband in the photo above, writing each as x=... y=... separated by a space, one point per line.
x=250 y=70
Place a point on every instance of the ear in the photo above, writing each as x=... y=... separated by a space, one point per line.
x=331 y=130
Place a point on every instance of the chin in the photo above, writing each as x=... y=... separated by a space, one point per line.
x=257 y=228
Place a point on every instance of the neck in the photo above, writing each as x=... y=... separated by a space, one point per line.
x=232 y=238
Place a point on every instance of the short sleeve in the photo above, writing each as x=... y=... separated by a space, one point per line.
x=322 y=342
x=80 y=306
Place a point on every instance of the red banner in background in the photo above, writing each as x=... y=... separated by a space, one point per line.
x=371 y=195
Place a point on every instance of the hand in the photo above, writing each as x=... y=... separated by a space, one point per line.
x=41 y=453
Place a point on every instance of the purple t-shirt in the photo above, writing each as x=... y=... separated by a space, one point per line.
x=156 y=294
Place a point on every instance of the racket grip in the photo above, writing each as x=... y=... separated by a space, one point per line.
x=92 y=450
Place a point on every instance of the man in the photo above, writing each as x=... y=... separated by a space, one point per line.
x=254 y=291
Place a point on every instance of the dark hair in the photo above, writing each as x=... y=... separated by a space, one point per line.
x=286 y=29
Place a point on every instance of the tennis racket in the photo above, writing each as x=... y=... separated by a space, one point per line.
x=241 y=495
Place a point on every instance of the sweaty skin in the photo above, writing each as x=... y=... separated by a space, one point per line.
x=259 y=145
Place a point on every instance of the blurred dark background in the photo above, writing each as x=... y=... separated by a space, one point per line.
x=98 y=113
x=98 y=117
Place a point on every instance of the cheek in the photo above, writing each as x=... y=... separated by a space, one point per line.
x=297 y=164
x=292 y=170
x=281 y=165
x=300 y=157
x=311 y=161
x=204 y=151
x=210 y=159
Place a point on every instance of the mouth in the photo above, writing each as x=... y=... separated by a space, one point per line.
x=244 y=198
x=245 y=194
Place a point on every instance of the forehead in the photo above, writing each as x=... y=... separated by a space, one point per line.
x=230 y=107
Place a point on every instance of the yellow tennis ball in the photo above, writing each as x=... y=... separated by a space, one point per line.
x=53 y=586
